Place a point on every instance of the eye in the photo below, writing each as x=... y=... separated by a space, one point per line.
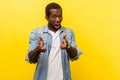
x=54 y=16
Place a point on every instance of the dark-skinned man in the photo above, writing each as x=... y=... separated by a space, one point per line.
x=52 y=46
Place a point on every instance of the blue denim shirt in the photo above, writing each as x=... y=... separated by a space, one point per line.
x=42 y=63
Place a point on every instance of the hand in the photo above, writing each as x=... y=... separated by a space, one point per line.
x=41 y=45
x=64 y=44
x=34 y=54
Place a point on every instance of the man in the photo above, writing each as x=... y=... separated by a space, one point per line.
x=51 y=47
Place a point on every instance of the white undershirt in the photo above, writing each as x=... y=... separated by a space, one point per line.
x=55 y=71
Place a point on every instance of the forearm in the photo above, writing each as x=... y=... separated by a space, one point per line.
x=72 y=52
x=34 y=54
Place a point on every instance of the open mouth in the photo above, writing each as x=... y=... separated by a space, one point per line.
x=57 y=25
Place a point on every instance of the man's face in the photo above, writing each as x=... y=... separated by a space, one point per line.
x=55 y=18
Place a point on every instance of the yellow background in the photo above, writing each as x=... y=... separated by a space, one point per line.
x=96 y=24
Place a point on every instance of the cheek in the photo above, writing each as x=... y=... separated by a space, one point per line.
x=52 y=21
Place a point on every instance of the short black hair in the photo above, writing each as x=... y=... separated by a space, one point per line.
x=52 y=5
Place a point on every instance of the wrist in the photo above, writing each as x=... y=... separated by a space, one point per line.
x=38 y=49
x=68 y=46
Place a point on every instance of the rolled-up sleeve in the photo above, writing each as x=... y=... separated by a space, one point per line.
x=73 y=44
x=33 y=43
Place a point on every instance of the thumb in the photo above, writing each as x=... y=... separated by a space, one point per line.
x=41 y=43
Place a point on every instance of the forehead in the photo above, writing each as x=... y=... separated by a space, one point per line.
x=56 y=11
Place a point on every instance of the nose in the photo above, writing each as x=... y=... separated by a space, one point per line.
x=58 y=19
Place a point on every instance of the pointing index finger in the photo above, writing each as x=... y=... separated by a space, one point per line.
x=40 y=37
x=64 y=37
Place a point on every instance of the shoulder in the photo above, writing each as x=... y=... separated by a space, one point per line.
x=67 y=30
x=37 y=31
